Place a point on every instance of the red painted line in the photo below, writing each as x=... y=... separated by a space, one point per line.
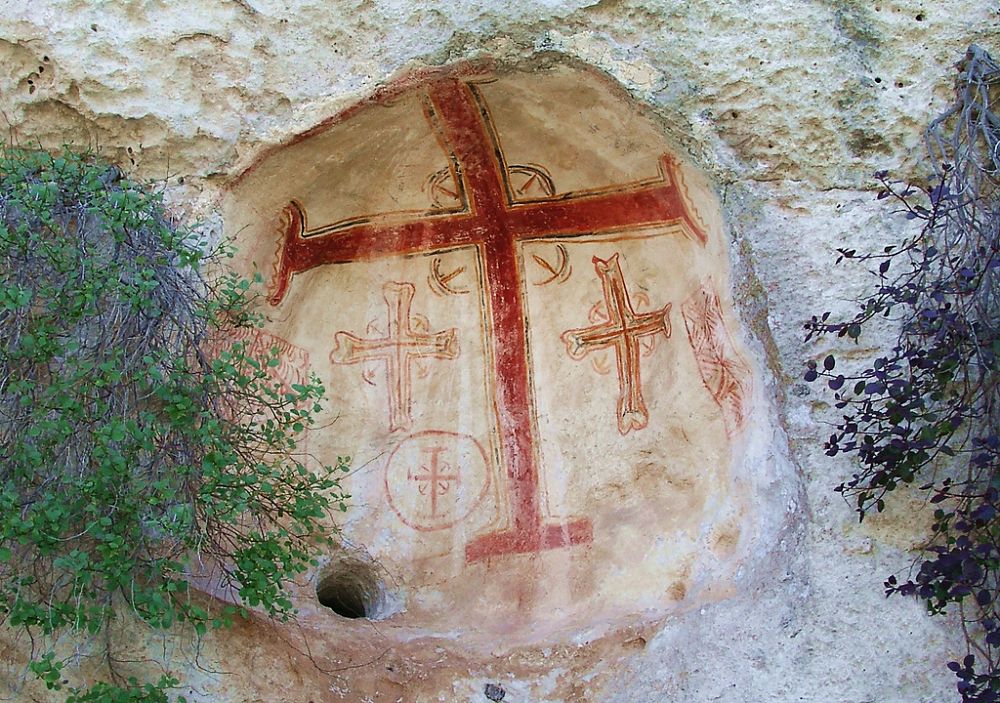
x=467 y=136
x=599 y=213
x=496 y=229
x=384 y=95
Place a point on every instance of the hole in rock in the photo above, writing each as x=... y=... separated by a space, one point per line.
x=563 y=180
x=350 y=588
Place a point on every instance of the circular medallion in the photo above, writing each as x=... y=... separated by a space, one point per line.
x=435 y=479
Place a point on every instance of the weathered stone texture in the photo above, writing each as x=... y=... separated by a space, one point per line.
x=787 y=107
x=821 y=91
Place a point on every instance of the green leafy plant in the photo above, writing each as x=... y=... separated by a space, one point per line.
x=926 y=413
x=144 y=441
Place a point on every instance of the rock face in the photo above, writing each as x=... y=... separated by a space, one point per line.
x=519 y=296
x=551 y=261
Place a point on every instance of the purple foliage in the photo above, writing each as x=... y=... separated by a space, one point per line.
x=927 y=413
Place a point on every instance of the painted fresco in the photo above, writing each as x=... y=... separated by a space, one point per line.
x=514 y=291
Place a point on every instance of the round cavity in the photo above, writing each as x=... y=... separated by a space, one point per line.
x=350 y=588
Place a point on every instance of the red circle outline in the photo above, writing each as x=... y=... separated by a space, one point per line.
x=472 y=506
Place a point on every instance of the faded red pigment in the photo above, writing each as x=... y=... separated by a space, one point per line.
x=494 y=225
x=396 y=350
x=622 y=331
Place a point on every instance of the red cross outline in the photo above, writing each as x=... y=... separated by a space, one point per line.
x=396 y=349
x=623 y=330
x=439 y=483
x=495 y=226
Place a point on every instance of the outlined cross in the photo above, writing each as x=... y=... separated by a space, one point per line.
x=396 y=349
x=494 y=223
x=622 y=331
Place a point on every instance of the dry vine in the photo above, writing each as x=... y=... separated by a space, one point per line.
x=926 y=412
x=132 y=458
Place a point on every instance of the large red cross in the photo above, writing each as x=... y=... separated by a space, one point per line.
x=494 y=225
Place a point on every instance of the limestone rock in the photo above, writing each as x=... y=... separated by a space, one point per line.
x=660 y=539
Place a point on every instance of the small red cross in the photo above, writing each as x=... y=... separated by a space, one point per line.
x=494 y=224
x=433 y=478
x=622 y=331
x=397 y=349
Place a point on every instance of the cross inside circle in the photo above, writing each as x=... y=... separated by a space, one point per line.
x=495 y=224
x=435 y=479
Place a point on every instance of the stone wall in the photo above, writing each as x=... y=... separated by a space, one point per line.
x=785 y=110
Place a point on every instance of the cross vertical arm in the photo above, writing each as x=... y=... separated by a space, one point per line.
x=480 y=164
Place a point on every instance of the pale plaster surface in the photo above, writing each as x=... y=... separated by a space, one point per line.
x=643 y=451
x=788 y=109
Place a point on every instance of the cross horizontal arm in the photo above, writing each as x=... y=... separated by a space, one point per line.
x=654 y=204
x=302 y=249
